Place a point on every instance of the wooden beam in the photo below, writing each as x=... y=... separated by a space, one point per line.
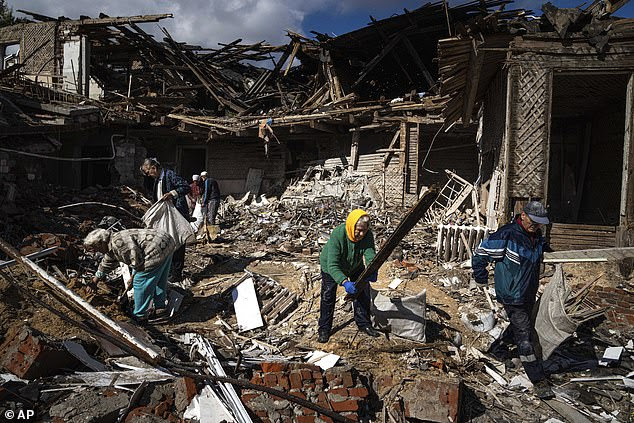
x=354 y=149
x=626 y=214
x=116 y=20
x=406 y=224
x=473 y=78
x=391 y=148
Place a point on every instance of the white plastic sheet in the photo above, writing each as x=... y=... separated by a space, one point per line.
x=164 y=216
x=552 y=324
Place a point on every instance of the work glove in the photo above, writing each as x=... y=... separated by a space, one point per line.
x=372 y=277
x=350 y=288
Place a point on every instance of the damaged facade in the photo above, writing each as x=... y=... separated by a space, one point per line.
x=555 y=119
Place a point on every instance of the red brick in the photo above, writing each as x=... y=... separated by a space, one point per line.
x=270 y=380
x=273 y=366
x=358 y=392
x=295 y=380
x=257 y=379
x=321 y=397
x=282 y=382
x=336 y=381
x=326 y=419
x=309 y=385
x=339 y=391
x=347 y=380
x=261 y=413
x=248 y=397
x=351 y=416
x=331 y=375
x=317 y=375
x=298 y=394
x=308 y=411
x=287 y=419
x=306 y=374
x=441 y=400
x=29 y=356
x=305 y=419
x=348 y=405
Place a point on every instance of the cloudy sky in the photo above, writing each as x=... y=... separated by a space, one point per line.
x=207 y=22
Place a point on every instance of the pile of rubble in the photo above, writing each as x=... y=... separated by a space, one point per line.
x=241 y=344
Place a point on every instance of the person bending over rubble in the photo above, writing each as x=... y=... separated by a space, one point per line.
x=517 y=251
x=148 y=252
x=341 y=262
x=167 y=185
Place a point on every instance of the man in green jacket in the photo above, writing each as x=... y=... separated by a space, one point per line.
x=342 y=262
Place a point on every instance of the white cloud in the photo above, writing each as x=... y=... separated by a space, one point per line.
x=203 y=22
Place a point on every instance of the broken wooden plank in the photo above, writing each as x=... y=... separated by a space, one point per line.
x=31 y=256
x=406 y=224
x=598 y=255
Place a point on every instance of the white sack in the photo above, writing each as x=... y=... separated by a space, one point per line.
x=164 y=216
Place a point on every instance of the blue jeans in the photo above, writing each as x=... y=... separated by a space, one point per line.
x=151 y=285
x=327 y=304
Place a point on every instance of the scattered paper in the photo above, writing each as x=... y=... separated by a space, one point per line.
x=395 y=283
x=630 y=345
x=245 y=302
x=611 y=355
x=322 y=359
x=520 y=381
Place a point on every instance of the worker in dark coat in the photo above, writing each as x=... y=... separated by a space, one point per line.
x=166 y=185
x=342 y=262
x=211 y=197
x=517 y=250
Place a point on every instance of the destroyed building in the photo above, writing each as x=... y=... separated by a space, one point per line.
x=555 y=119
x=441 y=122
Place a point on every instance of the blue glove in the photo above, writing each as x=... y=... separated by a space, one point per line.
x=373 y=277
x=350 y=288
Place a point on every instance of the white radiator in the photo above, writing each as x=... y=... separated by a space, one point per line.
x=453 y=240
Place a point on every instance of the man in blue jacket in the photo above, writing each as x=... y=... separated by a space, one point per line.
x=517 y=251
x=166 y=185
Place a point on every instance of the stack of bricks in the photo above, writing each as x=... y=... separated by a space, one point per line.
x=338 y=389
x=620 y=302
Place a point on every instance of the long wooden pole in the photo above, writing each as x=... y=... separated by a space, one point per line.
x=409 y=221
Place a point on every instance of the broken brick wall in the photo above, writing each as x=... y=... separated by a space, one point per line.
x=339 y=389
x=620 y=303
x=37 y=47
